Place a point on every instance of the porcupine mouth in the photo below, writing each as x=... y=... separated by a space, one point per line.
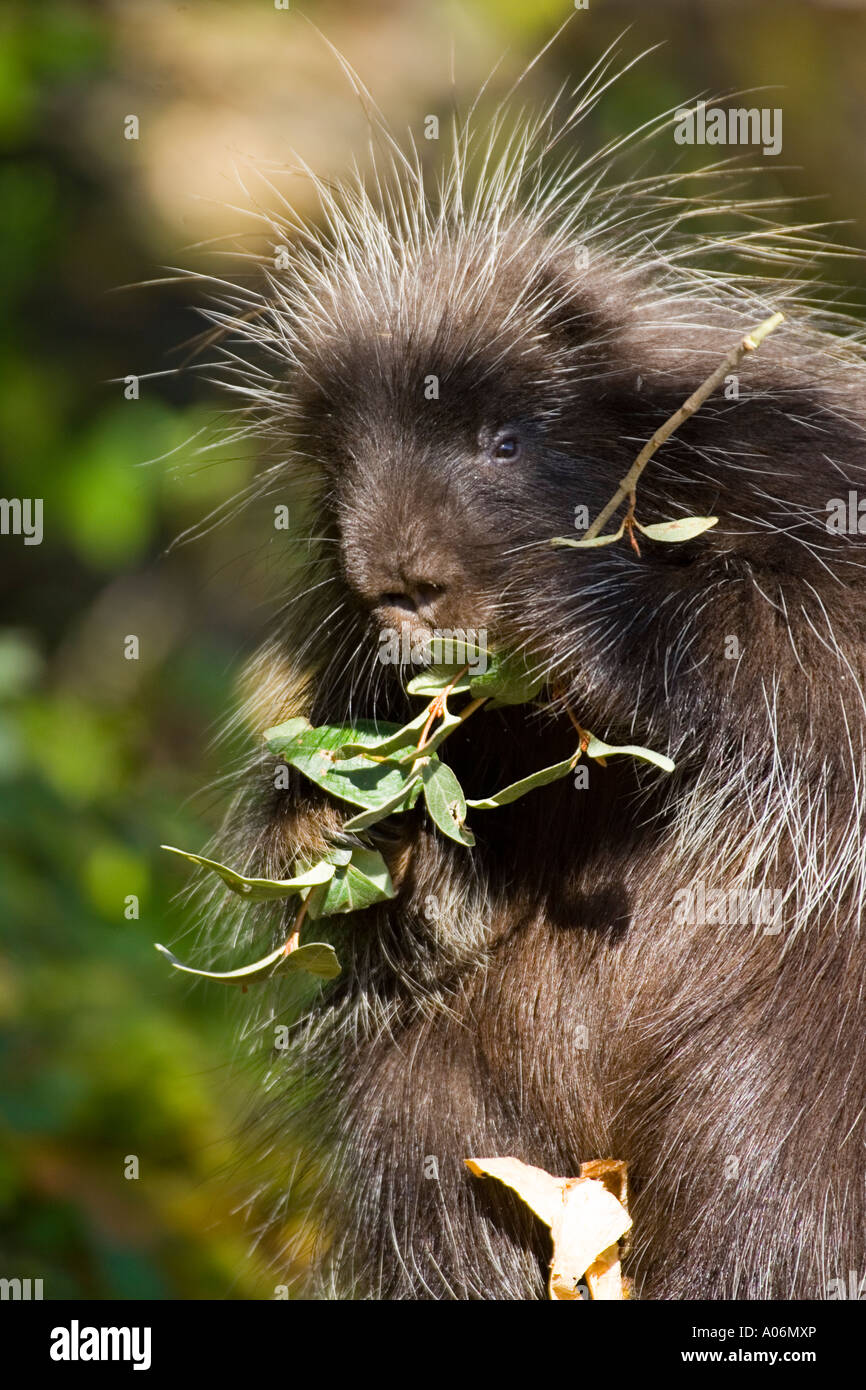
x=416 y=646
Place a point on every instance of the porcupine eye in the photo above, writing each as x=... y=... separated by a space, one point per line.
x=506 y=448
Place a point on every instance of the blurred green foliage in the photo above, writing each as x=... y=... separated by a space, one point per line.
x=103 y=1053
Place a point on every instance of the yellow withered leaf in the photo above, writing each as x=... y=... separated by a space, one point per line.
x=587 y=1216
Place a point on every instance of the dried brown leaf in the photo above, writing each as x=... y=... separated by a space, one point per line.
x=587 y=1217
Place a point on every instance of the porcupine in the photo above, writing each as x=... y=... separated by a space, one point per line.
x=539 y=996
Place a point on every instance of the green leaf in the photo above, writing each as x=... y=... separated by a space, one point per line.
x=452 y=653
x=509 y=679
x=358 y=780
x=317 y=957
x=592 y=544
x=290 y=730
x=685 y=528
x=330 y=737
x=407 y=739
x=526 y=784
x=397 y=803
x=358 y=884
x=337 y=856
x=446 y=802
x=597 y=749
x=391 y=743
x=434 y=680
x=259 y=889
x=448 y=725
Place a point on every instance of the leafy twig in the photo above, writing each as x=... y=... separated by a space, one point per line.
x=628 y=487
x=383 y=770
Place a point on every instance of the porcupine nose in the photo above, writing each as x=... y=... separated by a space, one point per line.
x=413 y=597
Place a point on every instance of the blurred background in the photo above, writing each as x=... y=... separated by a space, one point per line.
x=104 y=1053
